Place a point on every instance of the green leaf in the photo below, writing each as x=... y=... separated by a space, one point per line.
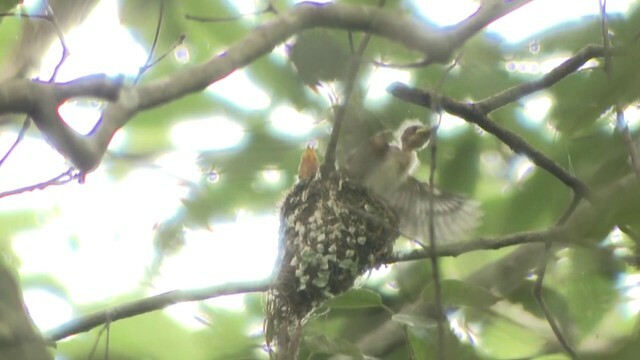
x=323 y=344
x=456 y=292
x=461 y=170
x=419 y=347
x=504 y=339
x=355 y=299
x=590 y=286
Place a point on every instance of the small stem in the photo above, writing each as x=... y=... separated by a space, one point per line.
x=25 y=126
x=154 y=44
x=329 y=164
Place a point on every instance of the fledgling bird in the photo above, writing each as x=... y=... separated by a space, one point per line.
x=309 y=164
x=386 y=168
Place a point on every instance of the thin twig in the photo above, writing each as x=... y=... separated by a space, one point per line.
x=156 y=36
x=107 y=340
x=61 y=179
x=178 y=42
x=50 y=17
x=537 y=294
x=463 y=247
x=541 y=272
x=65 y=50
x=433 y=258
x=433 y=242
x=517 y=92
x=94 y=348
x=570 y=210
x=329 y=164
x=25 y=126
x=604 y=32
x=621 y=123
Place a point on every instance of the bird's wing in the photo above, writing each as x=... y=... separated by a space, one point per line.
x=455 y=217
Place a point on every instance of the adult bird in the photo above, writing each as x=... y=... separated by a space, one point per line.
x=385 y=166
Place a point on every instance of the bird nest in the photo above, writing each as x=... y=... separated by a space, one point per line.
x=332 y=230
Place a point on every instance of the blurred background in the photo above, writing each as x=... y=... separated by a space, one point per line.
x=188 y=193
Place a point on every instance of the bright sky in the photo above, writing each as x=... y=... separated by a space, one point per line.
x=95 y=238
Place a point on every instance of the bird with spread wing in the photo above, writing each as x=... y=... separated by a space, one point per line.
x=386 y=166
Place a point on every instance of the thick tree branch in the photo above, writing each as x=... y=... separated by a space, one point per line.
x=41 y=100
x=413 y=34
x=488 y=12
x=437 y=45
x=24 y=96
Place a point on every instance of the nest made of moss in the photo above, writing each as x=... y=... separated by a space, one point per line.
x=332 y=230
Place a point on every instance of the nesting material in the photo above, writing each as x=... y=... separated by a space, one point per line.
x=331 y=231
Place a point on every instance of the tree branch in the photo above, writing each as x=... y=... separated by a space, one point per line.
x=558 y=73
x=41 y=100
x=462 y=247
x=411 y=33
x=488 y=12
x=437 y=45
x=339 y=115
x=471 y=113
x=149 y=304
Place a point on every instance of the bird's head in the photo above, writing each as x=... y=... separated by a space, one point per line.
x=415 y=137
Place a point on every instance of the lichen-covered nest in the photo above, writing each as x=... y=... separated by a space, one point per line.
x=331 y=231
